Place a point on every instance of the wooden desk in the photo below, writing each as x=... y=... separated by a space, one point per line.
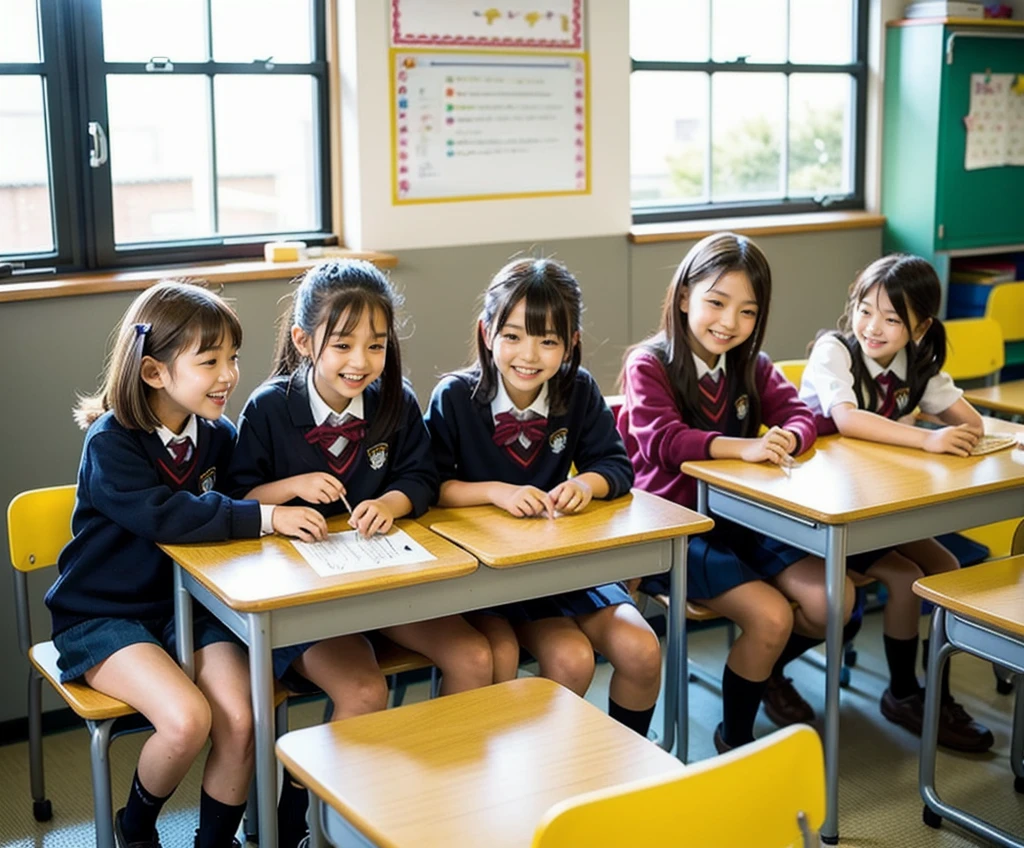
x=266 y=593
x=1004 y=397
x=979 y=610
x=847 y=496
x=477 y=768
x=610 y=540
x=269 y=597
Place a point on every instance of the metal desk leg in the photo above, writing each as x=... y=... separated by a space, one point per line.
x=316 y=828
x=1017 y=741
x=261 y=674
x=835 y=582
x=938 y=652
x=678 y=683
x=183 y=625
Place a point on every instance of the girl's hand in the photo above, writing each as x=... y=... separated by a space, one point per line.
x=955 y=440
x=301 y=522
x=370 y=517
x=525 y=501
x=571 y=496
x=773 y=446
x=791 y=440
x=317 y=487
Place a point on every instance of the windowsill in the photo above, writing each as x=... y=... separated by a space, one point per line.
x=755 y=225
x=225 y=272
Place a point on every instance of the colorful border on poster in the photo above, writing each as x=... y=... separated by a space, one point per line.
x=441 y=39
x=396 y=200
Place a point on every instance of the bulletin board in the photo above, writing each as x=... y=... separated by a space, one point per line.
x=471 y=125
x=518 y=24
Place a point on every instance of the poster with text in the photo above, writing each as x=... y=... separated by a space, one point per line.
x=522 y=24
x=468 y=126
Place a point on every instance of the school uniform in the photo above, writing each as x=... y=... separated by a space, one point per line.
x=287 y=429
x=828 y=380
x=658 y=441
x=115 y=586
x=478 y=439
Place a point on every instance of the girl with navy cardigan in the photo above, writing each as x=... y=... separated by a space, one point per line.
x=506 y=432
x=335 y=421
x=155 y=458
x=700 y=389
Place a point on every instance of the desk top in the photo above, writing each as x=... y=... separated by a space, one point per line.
x=477 y=768
x=255 y=575
x=842 y=480
x=499 y=540
x=992 y=593
x=1006 y=397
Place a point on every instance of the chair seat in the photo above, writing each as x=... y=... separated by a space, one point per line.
x=694 y=611
x=394 y=659
x=86 y=702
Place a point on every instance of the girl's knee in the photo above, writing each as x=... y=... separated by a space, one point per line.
x=506 y=660
x=569 y=662
x=233 y=730
x=472 y=661
x=773 y=624
x=637 y=655
x=359 y=694
x=186 y=728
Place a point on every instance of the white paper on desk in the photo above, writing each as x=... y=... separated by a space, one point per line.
x=344 y=553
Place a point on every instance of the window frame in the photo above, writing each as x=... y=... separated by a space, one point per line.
x=857 y=70
x=75 y=76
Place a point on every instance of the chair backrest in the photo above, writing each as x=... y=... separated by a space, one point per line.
x=1006 y=305
x=792 y=369
x=1017 y=545
x=38 y=526
x=615 y=403
x=785 y=773
x=974 y=348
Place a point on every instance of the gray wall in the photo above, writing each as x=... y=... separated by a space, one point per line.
x=55 y=348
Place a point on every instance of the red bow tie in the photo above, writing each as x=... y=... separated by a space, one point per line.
x=508 y=428
x=327 y=434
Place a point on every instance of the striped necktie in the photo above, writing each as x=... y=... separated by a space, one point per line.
x=888 y=383
x=713 y=397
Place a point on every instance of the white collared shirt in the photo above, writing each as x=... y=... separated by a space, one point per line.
x=702 y=367
x=322 y=412
x=190 y=430
x=828 y=379
x=503 y=403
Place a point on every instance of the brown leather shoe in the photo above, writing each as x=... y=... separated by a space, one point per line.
x=958 y=731
x=783 y=704
x=720 y=744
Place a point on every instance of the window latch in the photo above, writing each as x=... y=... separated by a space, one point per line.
x=98 y=146
x=7 y=268
x=160 y=64
x=267 y=63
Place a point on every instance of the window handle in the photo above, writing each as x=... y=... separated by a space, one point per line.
x=98 y=148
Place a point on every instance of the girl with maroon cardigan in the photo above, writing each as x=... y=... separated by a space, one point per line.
x=701 y=389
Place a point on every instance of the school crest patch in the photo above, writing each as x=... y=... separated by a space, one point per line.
x=742 y=407
x=902 y=397
x=207 y=480
x=558 y=440
x=378 y=455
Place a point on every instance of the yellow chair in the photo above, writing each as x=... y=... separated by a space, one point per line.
x=792 y=369
x=974 y=349
x=1006 y=306
x=700 y=808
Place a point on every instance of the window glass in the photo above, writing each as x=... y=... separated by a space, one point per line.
x=25 y=206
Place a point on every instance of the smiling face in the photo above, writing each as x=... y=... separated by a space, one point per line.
x=350 y=360
x=721 y=313
x=198 y=382
x=879 y=330
x=524 y=362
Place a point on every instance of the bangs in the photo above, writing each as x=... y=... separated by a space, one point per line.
x=545 y=309
x=351 y=306
x=215 y=324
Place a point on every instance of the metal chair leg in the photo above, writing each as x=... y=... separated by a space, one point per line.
x=435 y=681
x=42 y=810
x=251 y=820
x=397 y=685
x=102 y=806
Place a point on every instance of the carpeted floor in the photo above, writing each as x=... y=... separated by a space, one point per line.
x=879 y=802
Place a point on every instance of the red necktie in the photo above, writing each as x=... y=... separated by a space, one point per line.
x=508 y=429
x=713 y=397
x=181 y=450
x=887 y=382
x=326 y=435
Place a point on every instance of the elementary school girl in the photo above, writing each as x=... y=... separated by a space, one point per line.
x=701 y=389
x=506 y=432
x=334 y=424
x=155 y=459
x=865 y=381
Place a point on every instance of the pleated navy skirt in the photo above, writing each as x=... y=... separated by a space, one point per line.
x=579 y=602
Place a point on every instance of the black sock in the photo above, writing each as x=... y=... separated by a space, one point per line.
x=740 y=700
x=901 y=654
x=217 y=821
x=946 y=696
x=796 y=645
x=291 y=812
x=638 y=720
x=141 y=811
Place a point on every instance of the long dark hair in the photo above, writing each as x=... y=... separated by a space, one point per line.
x=913 y=287
x=326 y=293
x=163 y=322
x=710 y=259
x=553 y=300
